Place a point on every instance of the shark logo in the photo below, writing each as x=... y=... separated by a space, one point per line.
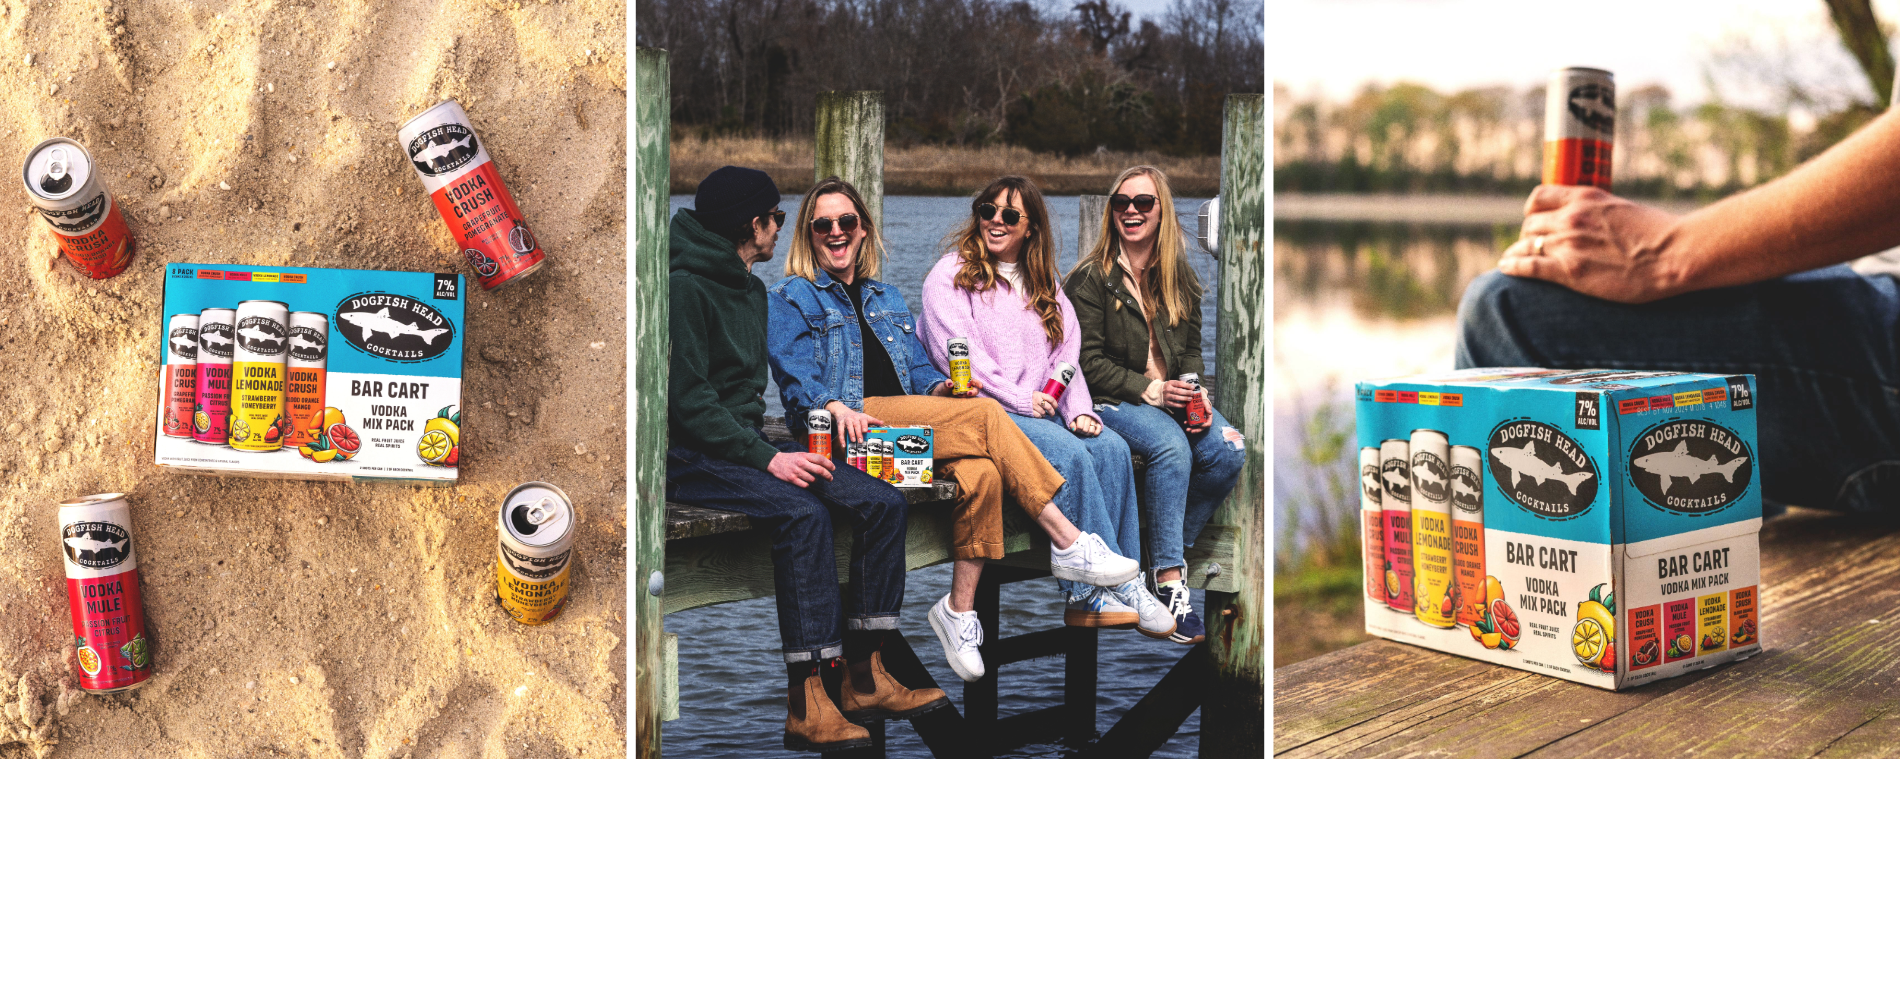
x=534 y=568
x=1398 y=480
x=443 y=149
x=79 y=218
x=1431 y=476
x=1369 y=483
x=1467 y=491
x=215 y=339
x=1594 y=107
x=394 y=327
x=1690 y=466
x=261 y=336
x=183 y=347
x=1542 y=469
x=911 y=444
x=307 y=345
x=95 y=544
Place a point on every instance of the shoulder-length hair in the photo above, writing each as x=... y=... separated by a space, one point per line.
x=801 y=262
x=1037 y=264
x=1170 y=283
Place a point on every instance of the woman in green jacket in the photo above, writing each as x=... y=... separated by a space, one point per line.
x=1139 y=306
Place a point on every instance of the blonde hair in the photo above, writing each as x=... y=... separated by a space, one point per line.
x=1037 y=263
x=1170 y=282
x=801 y=262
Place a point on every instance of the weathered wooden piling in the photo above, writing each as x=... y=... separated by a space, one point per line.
x=850 y=144
x=1233 y=714
x=652 y=346
x=1089 y=226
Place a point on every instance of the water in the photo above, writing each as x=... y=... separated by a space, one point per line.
x=731 y=677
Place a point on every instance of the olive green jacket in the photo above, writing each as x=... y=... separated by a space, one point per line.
x=1115 y=336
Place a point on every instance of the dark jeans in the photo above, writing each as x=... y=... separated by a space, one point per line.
x=811 y=620
x=1822 y=346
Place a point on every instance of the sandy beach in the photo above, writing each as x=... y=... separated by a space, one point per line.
x=305 y=619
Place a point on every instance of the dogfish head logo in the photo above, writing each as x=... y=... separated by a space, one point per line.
x=394 y=327
x=1690 y=466
x=1430 y=476
x=95 y=544
x=1542 y=469
x=1467 y=490
x=534 y=567
x=308 y=345
x=78 y=218
x=1396 y=480
x=215 y=339
x=184 y=344
x=443 y=149
x=912 y=444
x=1369 y=482
x=261 y=336
x=1594 y=106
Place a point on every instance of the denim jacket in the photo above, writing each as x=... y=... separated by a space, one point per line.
x=812 y=336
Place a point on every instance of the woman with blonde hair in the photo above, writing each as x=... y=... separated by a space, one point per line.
x=1139 y=306
x=842 y=341
x=998 y=290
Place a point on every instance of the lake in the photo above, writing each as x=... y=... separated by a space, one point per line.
x=731 y=676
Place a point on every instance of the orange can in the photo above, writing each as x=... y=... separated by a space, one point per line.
x=63 y=182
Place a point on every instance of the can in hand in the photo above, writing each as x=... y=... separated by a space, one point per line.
x=1197 y=412
x=102 y=589
x=959 y=350
x=1579 y=126
x=1059 y=380
x=818 y=432
x=63 y=182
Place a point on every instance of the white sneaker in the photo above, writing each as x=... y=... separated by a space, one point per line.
x=1089 y=561
x=961 y=634
x=1156 y=622
x=1096 y=607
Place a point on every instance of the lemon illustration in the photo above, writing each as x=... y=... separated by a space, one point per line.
x=240 y=431
x=1588 y=639
x=89 y=661
x=201 y=420
x=434 y=446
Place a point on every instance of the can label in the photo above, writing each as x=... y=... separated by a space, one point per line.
x=854 y=454
x=1058 y=382
x=258 y=418
x=181 y=377
x=212 y=421
x=1197 y=403
x=1467 y=542
x=1374 y=536
x=108 y=616
x=959 y=350
x=532 y=590
x=103 y=251
x=304 y=378
x=1712 y=615
x=488 y=226
x=818 y=432
x=1398 y=559
x=1579 y=127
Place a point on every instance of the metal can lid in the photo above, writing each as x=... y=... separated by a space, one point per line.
x=450 y=103
x=537 y=514
x=315 y=321
x=57 y=168
x=1431 y=430
x=264 y=302
x=182 y=319
x=1582 y=69
x=218 y=314
x=94 y=498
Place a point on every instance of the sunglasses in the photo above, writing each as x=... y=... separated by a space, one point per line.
x=1142 y=202
x=778 y=217
x=846 y=224
x=987 y=211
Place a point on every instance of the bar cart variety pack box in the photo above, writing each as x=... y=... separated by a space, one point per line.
x=390 y=372
x=1601 y=526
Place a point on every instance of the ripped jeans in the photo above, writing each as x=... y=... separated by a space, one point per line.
x=1187 y=476
x=1824 y=347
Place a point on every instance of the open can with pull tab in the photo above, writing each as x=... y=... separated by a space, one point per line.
x=537 y=525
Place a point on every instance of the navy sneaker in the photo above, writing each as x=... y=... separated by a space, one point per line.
x=1188 y=629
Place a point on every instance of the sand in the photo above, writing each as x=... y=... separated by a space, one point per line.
x=303 y=619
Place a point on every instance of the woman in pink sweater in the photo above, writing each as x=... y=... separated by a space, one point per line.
x=998 y=289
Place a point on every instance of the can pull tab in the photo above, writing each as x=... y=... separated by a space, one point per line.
x=540 y=510
x=59 y=173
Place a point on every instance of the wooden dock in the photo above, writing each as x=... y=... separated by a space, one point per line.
x=1826 y=685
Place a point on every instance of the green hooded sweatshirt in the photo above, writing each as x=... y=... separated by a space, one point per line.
x=716 y=386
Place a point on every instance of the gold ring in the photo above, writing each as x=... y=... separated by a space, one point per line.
x=1537 y=247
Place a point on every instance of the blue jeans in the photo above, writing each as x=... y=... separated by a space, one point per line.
x=1822 y=346
x=804 y=564
x=1099 y=492
x=1187 y=477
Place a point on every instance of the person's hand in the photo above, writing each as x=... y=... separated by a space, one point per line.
x=800 y=468
x=1201 y=428
x=1591 y=241
x=850 y=422
x=1176 y=393
x=1086 y=425
x=949 y=388
x=1041 y=404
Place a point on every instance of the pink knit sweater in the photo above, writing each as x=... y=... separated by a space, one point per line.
x=1009 y=350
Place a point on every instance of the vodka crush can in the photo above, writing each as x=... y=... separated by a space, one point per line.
x=303 y=388
x=1372 y=523
x=1058 y=381
x=1433 y=580
x=64 y=184
x=102 y=589
x=181 y=374
x=854 y=454
x=537 y=525
x=1395 y=499
x=258 y=417
x=818 y=432
x=1579 y=126
x=1197 y=403
x=216 y=330
x=1467 y=533
x=959 y=350
x=887 y=457
x=461 y=178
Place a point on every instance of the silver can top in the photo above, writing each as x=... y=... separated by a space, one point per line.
x=57 y=169
x=537 y=515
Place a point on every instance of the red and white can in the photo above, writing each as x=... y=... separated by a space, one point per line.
x=854 y=454
x=64 y=184
x=102 y=588
x=818 y=432
x=1197 y=403
x=1059 y=380
x=217 y=337
x=181 y=375
x=303 y=388
x=1579 y=126
x=462 y=180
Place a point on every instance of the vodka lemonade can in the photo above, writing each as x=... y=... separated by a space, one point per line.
x=537 y=537
x=873 y=459
x=1058 y=381
x=958 y=348
x=102 y=588
x=1579 y=126
x=1372 y=523
x=303 y=389
x=64 y=184
x=217 y=330
x=1467 y=534
x=461 y=178
x=1197 y=403
x=818 y=432
x=1395 y=499
x=181 y=374
x=1434 y=581
x=258 y=418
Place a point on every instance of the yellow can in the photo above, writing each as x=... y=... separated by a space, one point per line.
x=1712 y=619
x=959 y=350
x=1433 y=572
x=259 y=420
x=537 y=524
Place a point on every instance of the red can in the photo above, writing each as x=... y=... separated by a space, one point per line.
x=1197 y=404
x=63 y=182
x=1059 y=380
x=181 y=375
x=455 y=168
x=102 y=589
x=818 y=432
x=1579 y=126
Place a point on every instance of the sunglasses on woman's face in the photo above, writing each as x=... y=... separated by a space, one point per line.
x=846 y=224
x=987 y=211
x=1142 y=202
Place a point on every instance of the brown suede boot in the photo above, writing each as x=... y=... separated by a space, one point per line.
x=872 y=693
x=812 y=722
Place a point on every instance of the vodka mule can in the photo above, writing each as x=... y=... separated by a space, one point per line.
x=303 y=388
x=1372 y=523
x=258 y=418
x=1395 y=499
x=217 y=329
x=818 y=432
x=1433 y=580
x=1197 y=403
x=1058 y=381
x=959 y=350
x=181 y=375
x=64 y=183
x=537 y=538
x=455 y=168
x=1579 y=126
x=1467 y=533
x=102 y=588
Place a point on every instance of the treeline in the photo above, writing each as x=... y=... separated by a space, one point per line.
x=1051 y=77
